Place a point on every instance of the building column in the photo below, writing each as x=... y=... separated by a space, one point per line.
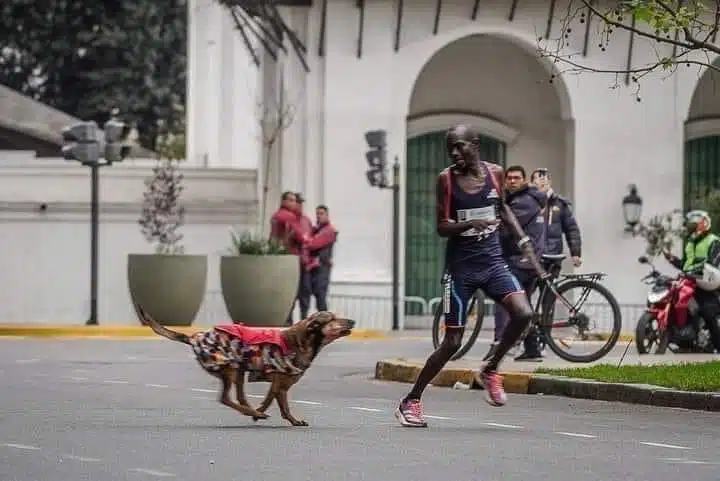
x=222 y=91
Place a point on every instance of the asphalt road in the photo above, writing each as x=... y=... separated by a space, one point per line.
x=143 y=410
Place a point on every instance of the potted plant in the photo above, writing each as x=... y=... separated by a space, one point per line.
x=259 y=279
x=168 y=284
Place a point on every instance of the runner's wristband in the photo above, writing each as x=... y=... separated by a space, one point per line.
x=523 y=241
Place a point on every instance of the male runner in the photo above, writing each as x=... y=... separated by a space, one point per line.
x=469 y=200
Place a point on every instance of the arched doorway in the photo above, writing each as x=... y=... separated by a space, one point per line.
x=513 y=106
x=701 y=168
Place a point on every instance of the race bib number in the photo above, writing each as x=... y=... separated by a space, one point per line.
x=480 y=213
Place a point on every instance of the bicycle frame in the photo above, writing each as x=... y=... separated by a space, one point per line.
x=550 y=285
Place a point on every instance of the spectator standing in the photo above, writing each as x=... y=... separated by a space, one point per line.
x=324 y=236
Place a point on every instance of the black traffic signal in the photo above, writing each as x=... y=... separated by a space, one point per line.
x=376 y=158
x=116 y=146
x=80 y=142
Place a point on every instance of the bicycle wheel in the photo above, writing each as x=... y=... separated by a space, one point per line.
x=475 y=313
x=579 y=320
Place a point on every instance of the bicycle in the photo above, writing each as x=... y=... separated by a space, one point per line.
x=550 y=291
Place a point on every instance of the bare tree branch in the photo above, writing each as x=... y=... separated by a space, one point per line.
x=689 y=27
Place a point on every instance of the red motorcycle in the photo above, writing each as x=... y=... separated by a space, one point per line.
x=672 y=317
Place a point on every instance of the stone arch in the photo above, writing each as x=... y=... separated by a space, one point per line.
x=503 y=92
x=701 y=159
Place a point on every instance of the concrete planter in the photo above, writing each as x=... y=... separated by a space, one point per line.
x=170 y=288
x=259 y=290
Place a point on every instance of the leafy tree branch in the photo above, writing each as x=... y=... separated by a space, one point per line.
x=683 y=33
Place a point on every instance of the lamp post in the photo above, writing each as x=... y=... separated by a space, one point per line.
x=632 y=208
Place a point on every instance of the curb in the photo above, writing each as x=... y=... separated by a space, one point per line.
x=122 y=331
x=530 y=383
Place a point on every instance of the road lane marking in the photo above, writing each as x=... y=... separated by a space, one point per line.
x=686 y=461
x=156 y=385
x=112 y=381
x=576 y=435
x=152 y=472
x=438 y=417
x=26 y=361
x=299 y=401
x=78 y=378
x=82 y=459
x=662 y=445
x=370 y=410
x=197 y=389
x=500 y=425
x=22 y=446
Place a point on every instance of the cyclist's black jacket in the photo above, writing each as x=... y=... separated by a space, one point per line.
x=562 y=221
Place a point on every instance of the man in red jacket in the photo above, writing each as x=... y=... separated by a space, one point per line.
x=324 y=236
x=283 y=223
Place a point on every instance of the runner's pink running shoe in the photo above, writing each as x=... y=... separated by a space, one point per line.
x=494 y=391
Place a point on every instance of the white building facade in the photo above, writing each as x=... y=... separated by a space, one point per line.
x=414 y=82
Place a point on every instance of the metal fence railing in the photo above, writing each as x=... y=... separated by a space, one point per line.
x=375 y=312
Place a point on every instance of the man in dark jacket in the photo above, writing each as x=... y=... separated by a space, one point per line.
x=527 y=203
x=561 y=220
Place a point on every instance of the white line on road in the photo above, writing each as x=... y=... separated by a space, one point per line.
x=576 y=435
x=438 y=417
x=156 y=385
x=500 y=425
x=82 y=459
x=299 y=401
x=78 y=378
x=686 y=461
x=111 y=381
x=152 y=472
x=661 y=445
x=22 y=446
x=26 y=361
x=197 y=389
x=370 y=410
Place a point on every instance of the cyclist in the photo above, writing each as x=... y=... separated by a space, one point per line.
x=469 y=199
x=527 y=203
x=701 y=258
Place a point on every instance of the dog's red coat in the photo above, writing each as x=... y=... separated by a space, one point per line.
x=256 y=335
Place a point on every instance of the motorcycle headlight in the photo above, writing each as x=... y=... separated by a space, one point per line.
x=656 y=296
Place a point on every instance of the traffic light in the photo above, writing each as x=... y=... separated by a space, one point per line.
x=80 y=142
x=376 y=158
x=116 y=146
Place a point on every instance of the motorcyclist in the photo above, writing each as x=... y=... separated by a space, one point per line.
x=701 y=260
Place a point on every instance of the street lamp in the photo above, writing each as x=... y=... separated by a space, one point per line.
x=632 y=208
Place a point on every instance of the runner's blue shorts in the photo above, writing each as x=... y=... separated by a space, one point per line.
x=495 y=280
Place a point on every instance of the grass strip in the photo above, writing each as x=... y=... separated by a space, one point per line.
x=701 y=377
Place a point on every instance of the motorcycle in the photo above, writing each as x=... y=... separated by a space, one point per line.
x=657 y=326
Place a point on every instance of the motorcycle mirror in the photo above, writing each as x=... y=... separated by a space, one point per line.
x=643 y=260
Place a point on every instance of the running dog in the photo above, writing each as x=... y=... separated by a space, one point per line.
x=283 y=355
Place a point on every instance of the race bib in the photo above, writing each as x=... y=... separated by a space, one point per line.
x=480 y=213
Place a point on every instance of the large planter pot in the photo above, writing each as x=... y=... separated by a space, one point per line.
x=259 y=290
x=170 y=288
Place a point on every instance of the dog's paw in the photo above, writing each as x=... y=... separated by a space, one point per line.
x=299 y=423
x=260 y=416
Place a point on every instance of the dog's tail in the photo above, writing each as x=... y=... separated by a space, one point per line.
x=160 y=329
